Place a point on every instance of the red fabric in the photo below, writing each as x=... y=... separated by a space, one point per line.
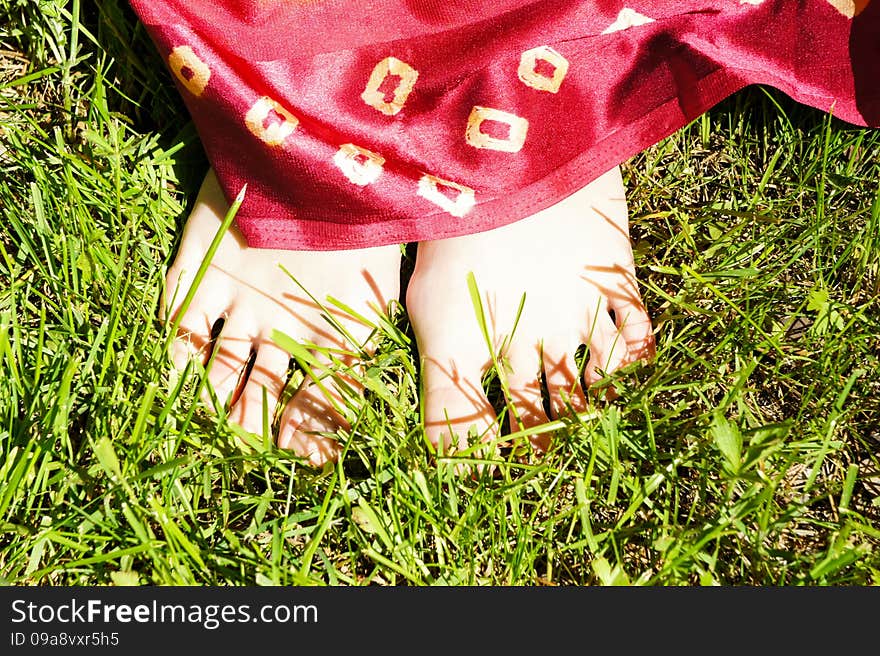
x=623 y=90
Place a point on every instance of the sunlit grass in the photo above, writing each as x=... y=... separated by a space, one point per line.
x=746 y=453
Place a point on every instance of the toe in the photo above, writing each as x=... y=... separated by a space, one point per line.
x=607 y=348
x=635 y=327
x=310 y=418
x=524 y=392
x=194 y=333
x=231 y=352
x=455 y=406
x=563 y=379
x=200 y=227
x=255 y=408
x=316 y=410
x=179 y=279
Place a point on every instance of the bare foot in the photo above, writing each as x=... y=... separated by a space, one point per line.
x=574 y=264
x=247 y=288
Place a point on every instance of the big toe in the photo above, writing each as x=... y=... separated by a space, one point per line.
x=525 y=401
x=457 y=412
x=316 y=411
x=310 y=421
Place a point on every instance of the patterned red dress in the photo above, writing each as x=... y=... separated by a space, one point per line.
x=360 y=123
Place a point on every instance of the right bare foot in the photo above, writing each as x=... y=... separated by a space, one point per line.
x=574 y=263
x=247 y=288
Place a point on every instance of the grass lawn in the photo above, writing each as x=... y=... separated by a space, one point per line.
x=747 y=453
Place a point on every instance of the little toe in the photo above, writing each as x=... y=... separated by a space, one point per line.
x=634 y=325
x=194 y=332
x=205 y=219
x=178 y=281
x=254 y=410
x=180 y=278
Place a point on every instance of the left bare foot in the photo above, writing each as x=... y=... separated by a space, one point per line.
x=574 y=263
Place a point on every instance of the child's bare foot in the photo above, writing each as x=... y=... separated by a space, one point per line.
x=574 y=263
x=248 y=289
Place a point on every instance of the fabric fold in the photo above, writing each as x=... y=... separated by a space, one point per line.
x=363 y=124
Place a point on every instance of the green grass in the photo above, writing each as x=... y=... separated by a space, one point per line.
x=747 y=453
